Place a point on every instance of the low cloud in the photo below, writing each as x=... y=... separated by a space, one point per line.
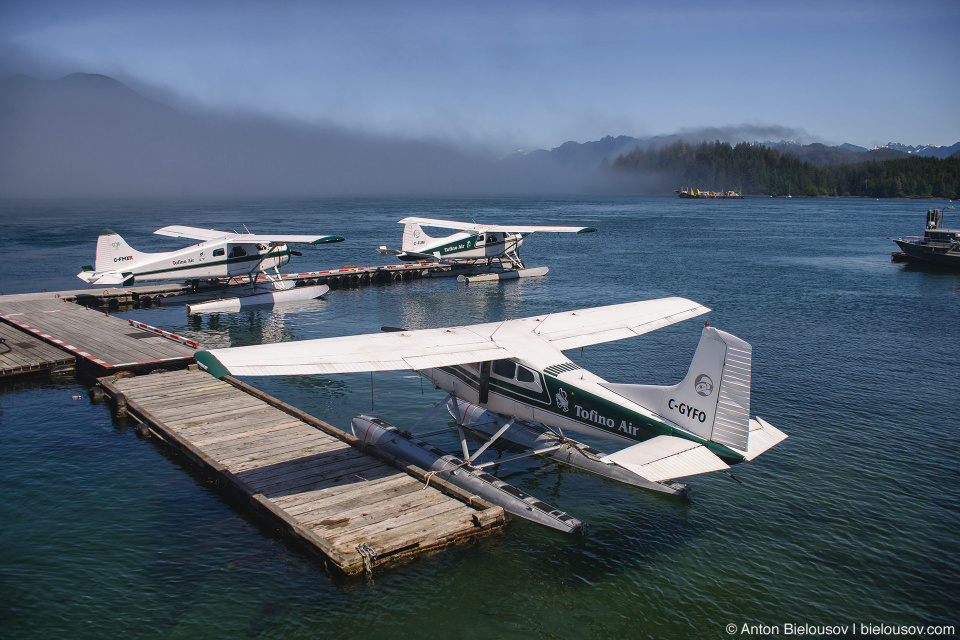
x=746 y=132
x=90 y=135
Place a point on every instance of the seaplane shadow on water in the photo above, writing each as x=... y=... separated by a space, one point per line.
x=219 y=258
x=478 y=252
x=510 y=380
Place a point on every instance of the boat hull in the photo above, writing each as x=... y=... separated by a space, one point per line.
x=922 y=252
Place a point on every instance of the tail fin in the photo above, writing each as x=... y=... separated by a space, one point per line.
x=713 y=400
x=414 y=237
x=113 y=253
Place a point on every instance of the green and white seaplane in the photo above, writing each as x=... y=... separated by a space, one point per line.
x=220 y=256
x=510 y=380
x=485 y=251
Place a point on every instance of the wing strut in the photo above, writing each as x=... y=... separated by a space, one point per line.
x=431 y=412
x=486 y=445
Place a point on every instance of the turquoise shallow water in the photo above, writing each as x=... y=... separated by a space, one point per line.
x=852 y=520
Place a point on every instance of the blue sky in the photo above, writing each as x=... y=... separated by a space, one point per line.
x=527 y=75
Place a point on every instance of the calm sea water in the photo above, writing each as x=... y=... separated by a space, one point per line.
x=855 y=519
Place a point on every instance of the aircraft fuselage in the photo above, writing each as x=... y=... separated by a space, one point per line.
x=564 y=396
x=468 y=245
x=205 y=260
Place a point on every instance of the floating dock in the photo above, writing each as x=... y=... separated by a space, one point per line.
x=147 y=295
x=315 y=482
x=351 y=504
x=23 y=354
x=100 y=344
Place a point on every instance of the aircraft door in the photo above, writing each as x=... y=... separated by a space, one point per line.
x=493 y=244
x=241 y=259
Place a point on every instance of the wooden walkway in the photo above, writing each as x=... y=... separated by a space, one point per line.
x=146 y=295
x=21 y=353
x=354 y=509
x=103 y=343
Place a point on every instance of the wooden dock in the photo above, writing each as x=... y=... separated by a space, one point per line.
x=151 y=294
x=101 y=344
x=22 y=354
x=314 y=481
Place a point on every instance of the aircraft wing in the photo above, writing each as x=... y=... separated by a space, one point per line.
x=429 y=348
x=503 y=228
x=287 y=239
x=179 y=231
x=584 y=327
x=421 y=349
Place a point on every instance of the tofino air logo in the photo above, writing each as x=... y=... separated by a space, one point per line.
x=562 y=402
x=703 y=385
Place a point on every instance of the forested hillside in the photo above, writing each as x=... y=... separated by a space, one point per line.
x=757 y=170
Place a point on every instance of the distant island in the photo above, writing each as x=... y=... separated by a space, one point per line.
x=755 y=169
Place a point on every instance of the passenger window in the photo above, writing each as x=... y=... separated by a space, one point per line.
x=218 y=252
x=505 y=368
x=524 y=375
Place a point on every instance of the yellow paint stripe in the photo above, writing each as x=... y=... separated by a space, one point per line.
x=219 y=386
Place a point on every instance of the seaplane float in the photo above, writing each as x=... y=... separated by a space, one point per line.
x=510 y=380
x=481 y=251
x=220 y=257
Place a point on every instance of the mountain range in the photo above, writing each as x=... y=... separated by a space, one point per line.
x=91 y=135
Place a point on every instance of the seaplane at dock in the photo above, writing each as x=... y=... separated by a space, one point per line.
x=482 y=251
x=510 y=380
x=219 y=257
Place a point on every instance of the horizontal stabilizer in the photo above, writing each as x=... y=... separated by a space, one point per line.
x=411 y=256
x=107 y=279
x=763 y=435
x=666 y=457
x=415 y=256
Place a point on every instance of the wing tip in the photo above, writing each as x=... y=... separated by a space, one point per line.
x=209 y=363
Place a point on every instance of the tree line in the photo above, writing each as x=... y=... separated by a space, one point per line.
x=758 y=170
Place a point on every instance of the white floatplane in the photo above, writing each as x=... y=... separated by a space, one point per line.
x=511 y=380
x=219 y=256
x=493 y=248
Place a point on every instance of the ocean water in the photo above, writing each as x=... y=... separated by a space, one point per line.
x=853 y=520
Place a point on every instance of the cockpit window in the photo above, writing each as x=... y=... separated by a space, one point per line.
x=505 y=368
x=525 y=375
x=237 y=252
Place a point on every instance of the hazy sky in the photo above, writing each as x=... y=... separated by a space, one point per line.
x=525 y=74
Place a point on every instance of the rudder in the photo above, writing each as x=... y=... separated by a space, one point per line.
x=713 y=400
x=113 y=252
x=414 y=237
